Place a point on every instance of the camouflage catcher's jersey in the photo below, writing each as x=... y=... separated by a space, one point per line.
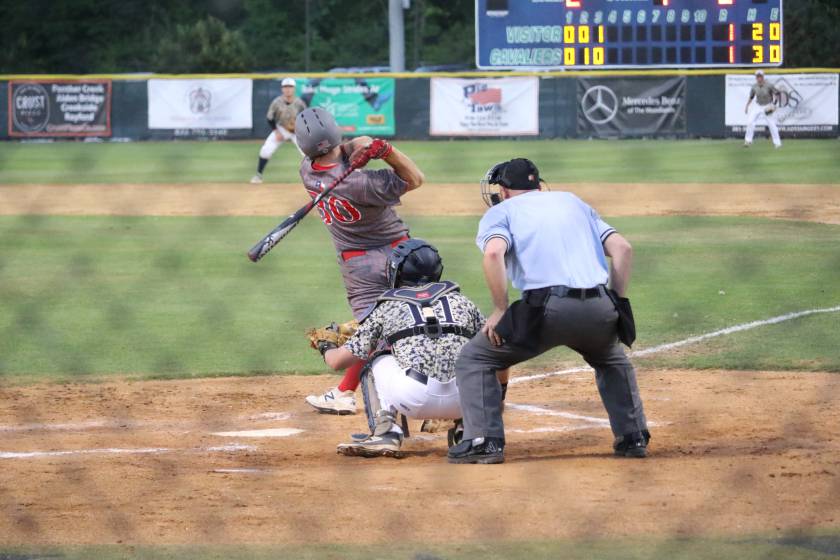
x=284 y=113
x=424 y=326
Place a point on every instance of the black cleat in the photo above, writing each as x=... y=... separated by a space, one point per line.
x=632 y=445
x=484 y=451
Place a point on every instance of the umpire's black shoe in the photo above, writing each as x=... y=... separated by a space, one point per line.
x=632 y=445
x=485 y=451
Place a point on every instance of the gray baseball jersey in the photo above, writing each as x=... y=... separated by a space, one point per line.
x=434 y=357
x=359 y=212
x=763 y=93
x=284 y=113
x=360 y=217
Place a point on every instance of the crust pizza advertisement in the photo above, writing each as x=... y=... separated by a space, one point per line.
x=50 y=108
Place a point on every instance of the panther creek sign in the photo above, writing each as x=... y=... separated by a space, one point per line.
x=59 y=108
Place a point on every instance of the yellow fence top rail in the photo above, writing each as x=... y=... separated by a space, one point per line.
x=478 y=74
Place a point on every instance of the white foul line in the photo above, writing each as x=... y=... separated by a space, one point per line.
x=690 y=340
x=545 y=412
x=118 y=451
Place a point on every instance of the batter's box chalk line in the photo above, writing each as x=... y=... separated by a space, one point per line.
x=232 y=448
x=685 y=342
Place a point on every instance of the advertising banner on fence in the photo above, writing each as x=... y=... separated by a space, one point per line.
x=807 y=103
x=613 y=107
x=484 y=107
x=361 y=106
x=60 y=108
x=200 y=107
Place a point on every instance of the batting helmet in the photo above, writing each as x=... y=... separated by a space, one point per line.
x=317 y=132
x=413 y=263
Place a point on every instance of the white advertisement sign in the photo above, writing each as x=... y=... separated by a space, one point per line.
x=807 y=104
x=200 y=104
x=484 y=107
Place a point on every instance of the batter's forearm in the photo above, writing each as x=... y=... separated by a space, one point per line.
x=406 y=169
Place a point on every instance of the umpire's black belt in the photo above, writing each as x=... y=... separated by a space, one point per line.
x=565 y=291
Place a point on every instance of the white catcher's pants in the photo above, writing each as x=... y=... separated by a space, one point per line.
x=756 y=111
x=398 y=392
x=272 y=143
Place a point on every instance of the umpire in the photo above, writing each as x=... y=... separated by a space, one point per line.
x=553 y=246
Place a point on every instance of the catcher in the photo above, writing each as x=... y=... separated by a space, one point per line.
x=281 y=118
x=411 y=338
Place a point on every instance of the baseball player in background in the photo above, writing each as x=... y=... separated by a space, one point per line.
x=281 y=118
x=765 y=95
x=413 y=336
x=359 y=214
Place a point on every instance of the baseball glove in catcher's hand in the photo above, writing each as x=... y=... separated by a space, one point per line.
x=331 y=336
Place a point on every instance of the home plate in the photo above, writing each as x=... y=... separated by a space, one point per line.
x=271 y=432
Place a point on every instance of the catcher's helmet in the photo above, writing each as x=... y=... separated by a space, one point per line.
x=413 y=263
x=317 y=132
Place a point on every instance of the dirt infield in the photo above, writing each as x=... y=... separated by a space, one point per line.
x=819 y=203
x=141 y=462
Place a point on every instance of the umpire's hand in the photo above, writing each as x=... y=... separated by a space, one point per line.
x=489 y=327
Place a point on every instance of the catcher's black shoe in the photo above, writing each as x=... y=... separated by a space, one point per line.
x=485 y=451
x=632 y=445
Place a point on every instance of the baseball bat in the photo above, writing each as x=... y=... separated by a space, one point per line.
x=268 y=242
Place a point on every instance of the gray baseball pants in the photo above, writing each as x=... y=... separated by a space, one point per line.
x=586 y=326
x=365 y=278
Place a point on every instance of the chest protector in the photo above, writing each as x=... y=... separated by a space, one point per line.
x=420 y=301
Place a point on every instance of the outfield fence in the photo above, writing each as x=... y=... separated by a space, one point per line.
x=640 y=104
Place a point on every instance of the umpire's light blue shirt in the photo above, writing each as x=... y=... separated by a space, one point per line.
x=553 y=238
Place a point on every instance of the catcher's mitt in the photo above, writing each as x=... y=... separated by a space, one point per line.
x=331 y=336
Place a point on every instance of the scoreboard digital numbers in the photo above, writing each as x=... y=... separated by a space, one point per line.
x=574 y=34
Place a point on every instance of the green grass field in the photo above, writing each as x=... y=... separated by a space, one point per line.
x=154 y=296
x=560 y=161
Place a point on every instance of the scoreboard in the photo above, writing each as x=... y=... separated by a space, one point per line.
x=574 y=34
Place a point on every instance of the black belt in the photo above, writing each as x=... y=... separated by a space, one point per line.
x=424 y=329
x=417 y=376
x=577 y=293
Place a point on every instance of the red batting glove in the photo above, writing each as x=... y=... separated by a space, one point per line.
x=379 y=149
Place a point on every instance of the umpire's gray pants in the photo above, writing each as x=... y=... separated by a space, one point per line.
x=586 y=326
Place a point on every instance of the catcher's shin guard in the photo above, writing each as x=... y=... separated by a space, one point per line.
x=370 y=396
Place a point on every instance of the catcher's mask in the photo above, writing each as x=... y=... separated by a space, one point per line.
x=413 y=263
x=317 y=132
x=517 y=174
